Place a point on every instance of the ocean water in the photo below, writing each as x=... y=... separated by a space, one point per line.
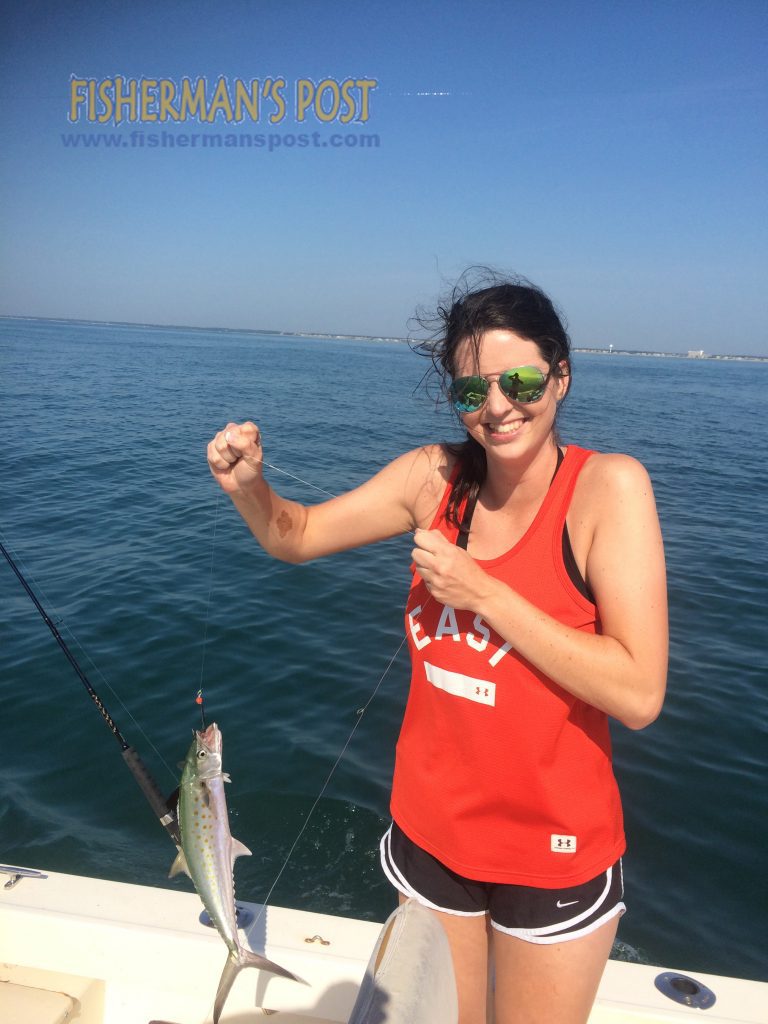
x=157 y=586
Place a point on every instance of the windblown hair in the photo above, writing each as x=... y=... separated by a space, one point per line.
x=483 y=300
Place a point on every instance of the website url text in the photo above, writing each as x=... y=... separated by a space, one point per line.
x=270 y=141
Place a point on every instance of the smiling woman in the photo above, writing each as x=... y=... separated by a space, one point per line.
x=537 y=609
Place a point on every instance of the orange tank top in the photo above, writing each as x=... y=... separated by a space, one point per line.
x=500 y=773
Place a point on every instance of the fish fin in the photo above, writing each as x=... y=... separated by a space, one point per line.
x=179 y=865
x=225 y=777
x=235 y=963
x=231 y=970
x=250 y=959
x=239 y=849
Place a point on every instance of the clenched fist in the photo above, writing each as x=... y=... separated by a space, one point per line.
x=235 y=457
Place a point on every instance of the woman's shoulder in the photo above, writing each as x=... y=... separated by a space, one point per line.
x=431 y=463
x=613 y=500
x=614 y=469
x=425 y=473
x=611 y=478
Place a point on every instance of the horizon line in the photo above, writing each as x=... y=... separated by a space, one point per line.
x=610 y=349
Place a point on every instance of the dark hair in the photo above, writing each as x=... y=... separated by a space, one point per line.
x=483 y=300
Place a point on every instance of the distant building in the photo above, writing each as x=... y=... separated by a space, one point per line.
x=696 y=354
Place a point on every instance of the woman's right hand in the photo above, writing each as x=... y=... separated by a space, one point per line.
x=235 y=457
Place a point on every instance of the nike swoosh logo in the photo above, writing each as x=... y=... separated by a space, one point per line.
x=571 y=904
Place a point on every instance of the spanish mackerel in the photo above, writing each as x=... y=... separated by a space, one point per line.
x=208 y=853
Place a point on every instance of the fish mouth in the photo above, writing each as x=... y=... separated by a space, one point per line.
x=211 y=738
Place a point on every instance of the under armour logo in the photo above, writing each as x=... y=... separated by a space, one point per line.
x=562 y=844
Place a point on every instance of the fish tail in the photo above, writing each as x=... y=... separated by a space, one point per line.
x=236 y=961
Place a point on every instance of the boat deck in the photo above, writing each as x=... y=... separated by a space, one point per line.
x=100 y=952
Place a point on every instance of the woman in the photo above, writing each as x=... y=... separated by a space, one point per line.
x=537 y=610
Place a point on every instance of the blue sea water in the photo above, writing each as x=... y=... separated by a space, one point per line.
x=157 y=585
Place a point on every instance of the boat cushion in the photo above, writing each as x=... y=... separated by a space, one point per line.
x=21 y=1004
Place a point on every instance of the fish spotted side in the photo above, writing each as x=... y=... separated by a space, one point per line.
x=208 y=853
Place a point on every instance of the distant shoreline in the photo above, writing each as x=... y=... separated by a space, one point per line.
x=612 y=351
x=694 y=357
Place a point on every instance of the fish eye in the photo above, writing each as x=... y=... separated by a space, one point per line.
x=201 y=754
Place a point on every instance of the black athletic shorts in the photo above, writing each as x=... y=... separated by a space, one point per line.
x=533 y=914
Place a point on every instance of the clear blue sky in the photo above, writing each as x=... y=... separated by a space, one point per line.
x=612 y=152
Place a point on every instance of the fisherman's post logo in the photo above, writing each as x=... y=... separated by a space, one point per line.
x=237 y=104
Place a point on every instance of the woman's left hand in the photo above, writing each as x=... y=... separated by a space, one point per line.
x=452 y=576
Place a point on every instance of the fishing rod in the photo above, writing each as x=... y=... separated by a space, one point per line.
x=162 y=808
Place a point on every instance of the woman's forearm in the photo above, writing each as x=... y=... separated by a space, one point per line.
x=276 y=523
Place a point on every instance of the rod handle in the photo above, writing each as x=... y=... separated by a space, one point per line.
x=165 y=813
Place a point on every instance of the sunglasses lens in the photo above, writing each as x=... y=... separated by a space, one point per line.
x=469 y=393
x=523 y=384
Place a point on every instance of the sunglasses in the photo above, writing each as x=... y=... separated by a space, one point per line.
x=522 y=384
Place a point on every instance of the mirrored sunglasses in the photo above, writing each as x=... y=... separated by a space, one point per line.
x=522 y=384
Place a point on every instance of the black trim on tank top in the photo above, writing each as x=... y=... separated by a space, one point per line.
x=568 y=557
x=469 y=510
x=572 y=569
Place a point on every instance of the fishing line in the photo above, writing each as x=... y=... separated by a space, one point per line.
x=199 y=698
x=294 y=477
x=309 y=483
x=360 y=713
